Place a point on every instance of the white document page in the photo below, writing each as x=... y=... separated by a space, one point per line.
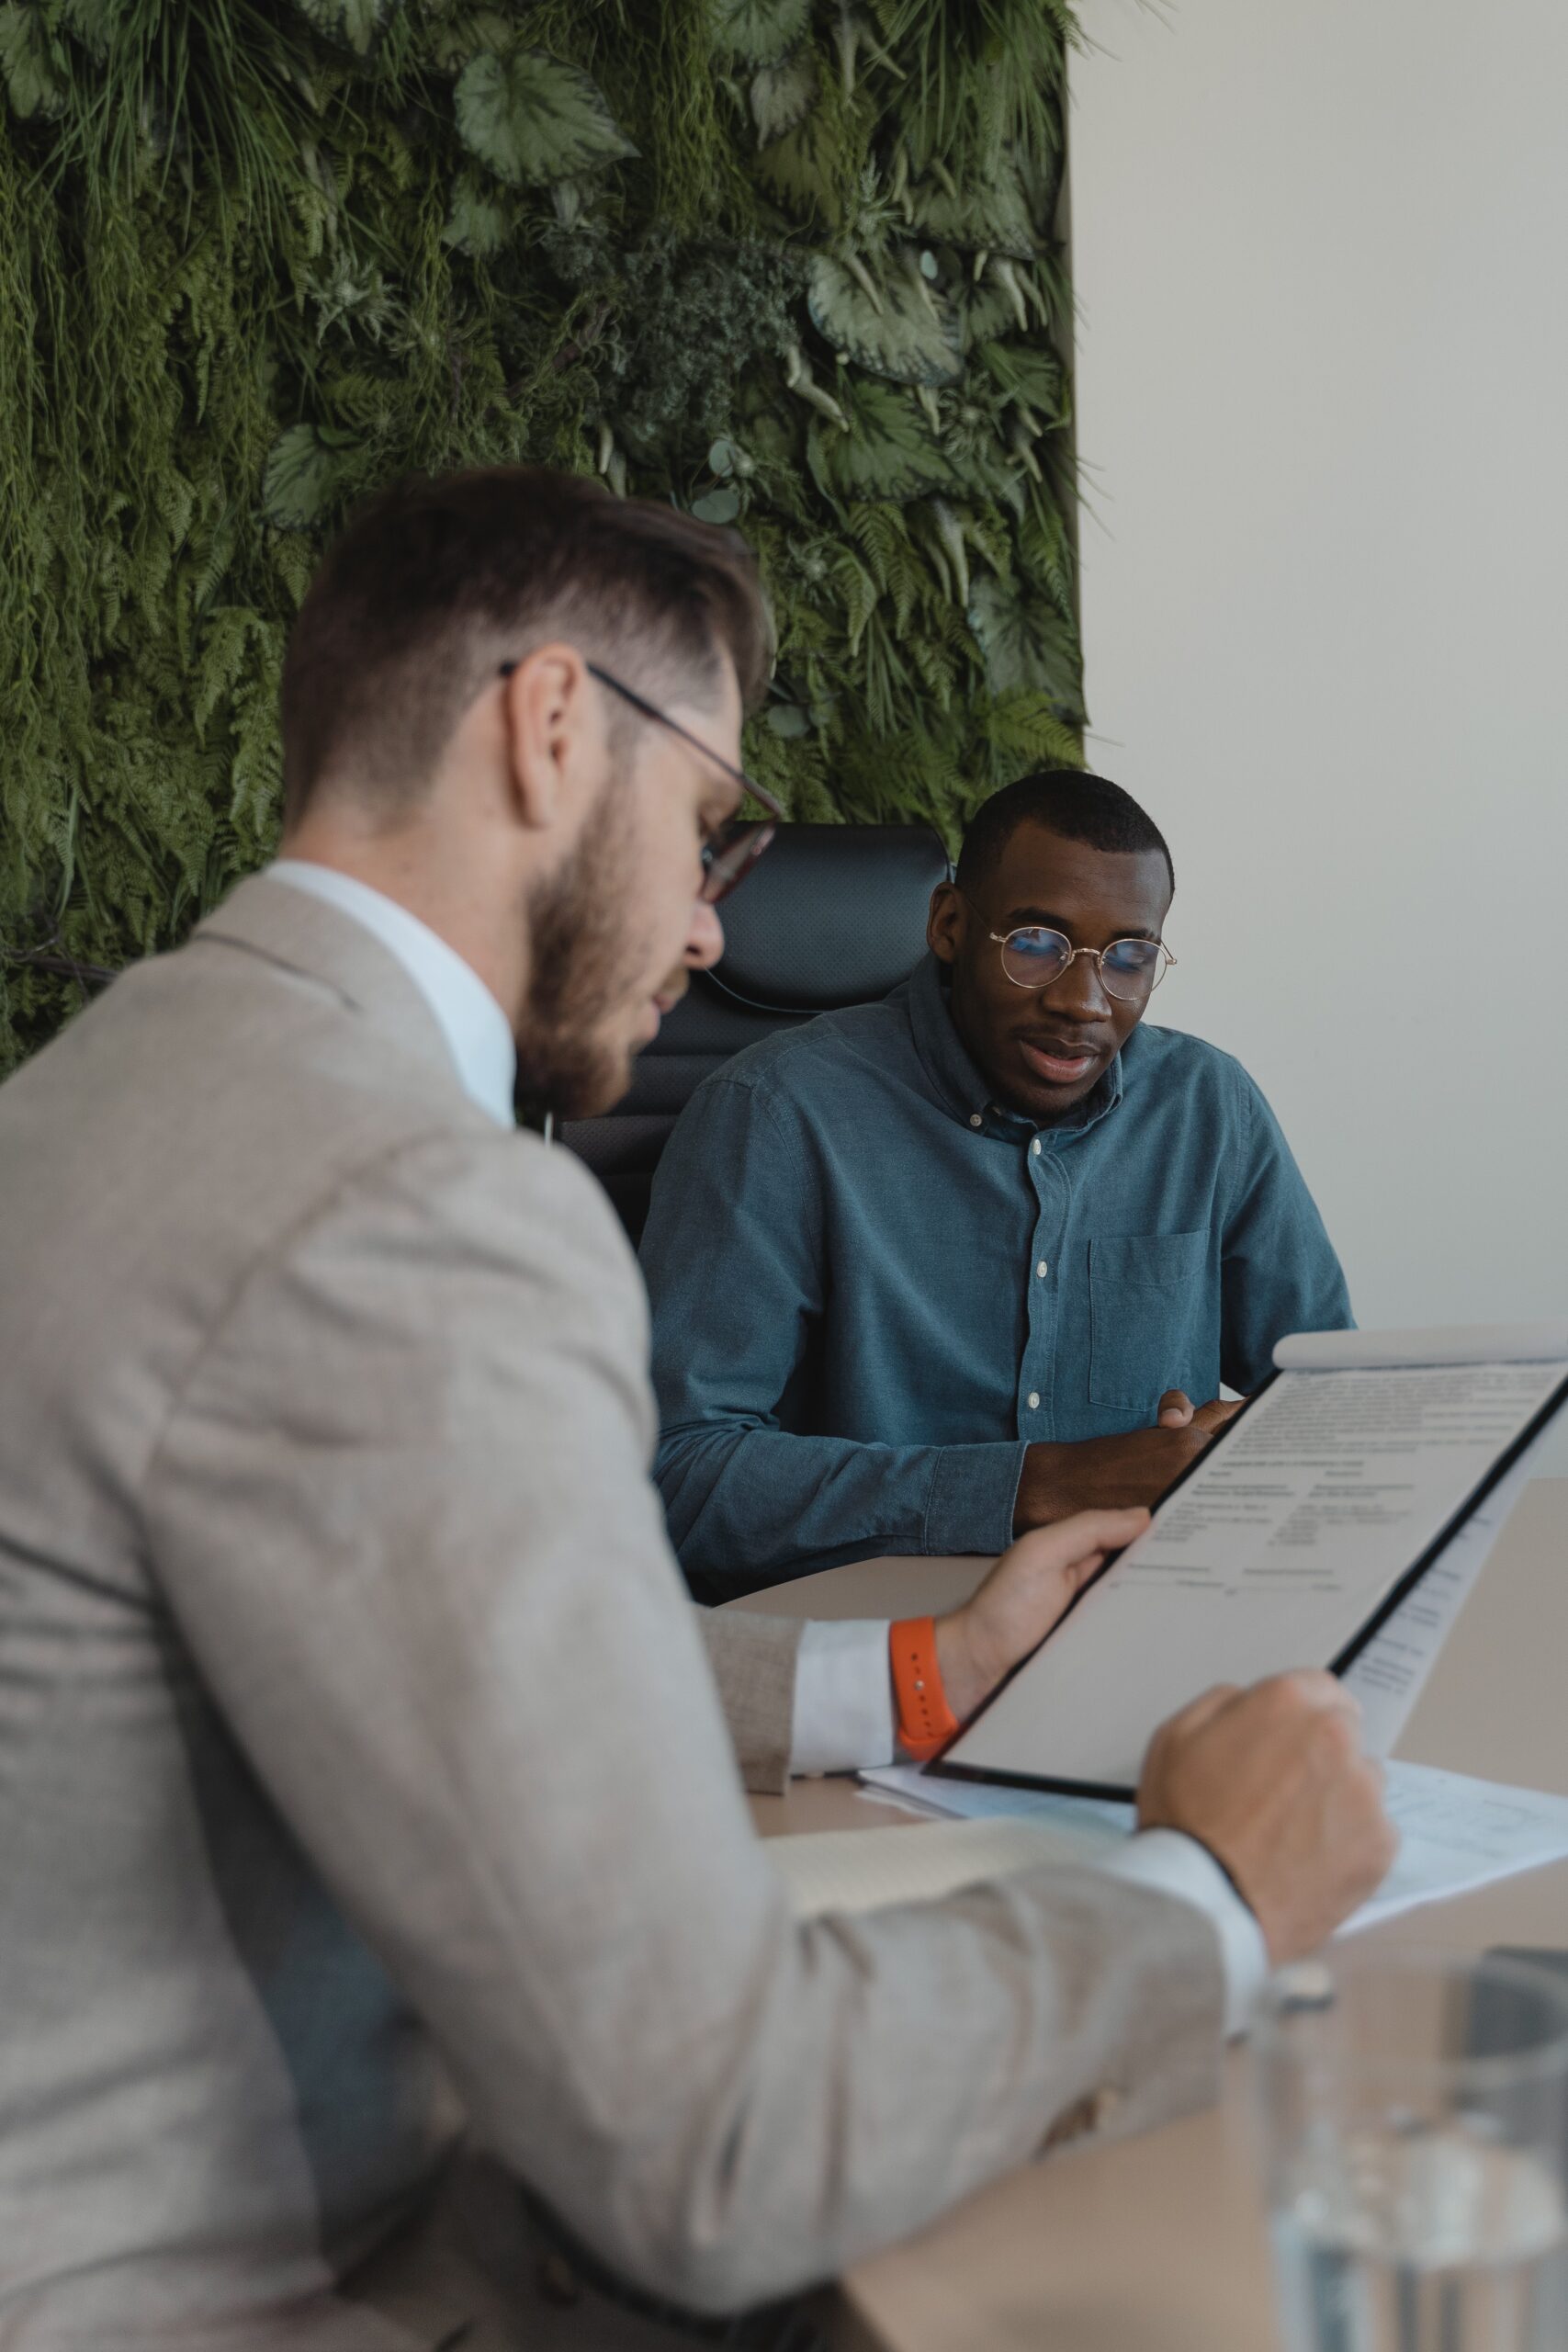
x=1456 y=1833
x=1391 y=1672
x=1290 y=1534
x=1439 y=1344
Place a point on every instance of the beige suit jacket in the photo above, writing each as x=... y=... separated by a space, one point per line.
x=365 y=1789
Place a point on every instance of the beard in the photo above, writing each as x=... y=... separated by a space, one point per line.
x=588 y=950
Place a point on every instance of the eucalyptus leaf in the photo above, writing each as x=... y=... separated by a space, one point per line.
x=890 y=450
x=718 y=506
x=788 y=719
x=357 y=25
x=758 y=31
x=1026 y=646
x=784 y=95
x=533 y=119
x=301 y=475
x=29 y=65
x=721 y=456
x=477 y=223
x=907 y=333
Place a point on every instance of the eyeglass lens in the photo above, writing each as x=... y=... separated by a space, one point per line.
x=1129 y=969
x=729 y=855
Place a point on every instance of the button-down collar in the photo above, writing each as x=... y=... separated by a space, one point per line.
x=959 y=1086
x=849 y=1314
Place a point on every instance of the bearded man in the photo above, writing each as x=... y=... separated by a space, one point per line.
x=380 y=1909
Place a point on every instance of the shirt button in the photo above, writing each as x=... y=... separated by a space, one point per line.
x=975 y=1118
x=1035 y=1400
x=1035 y=1146
x=1042 y=1270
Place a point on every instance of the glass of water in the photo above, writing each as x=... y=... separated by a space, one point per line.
x=1414 y=2116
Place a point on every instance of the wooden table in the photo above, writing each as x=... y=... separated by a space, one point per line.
x=1158 y=2244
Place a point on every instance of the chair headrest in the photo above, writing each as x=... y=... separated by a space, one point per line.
x=833 y=915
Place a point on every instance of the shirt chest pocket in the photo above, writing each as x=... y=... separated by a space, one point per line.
x=1149 y=1318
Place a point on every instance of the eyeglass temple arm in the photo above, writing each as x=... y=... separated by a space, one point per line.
x=662 y=718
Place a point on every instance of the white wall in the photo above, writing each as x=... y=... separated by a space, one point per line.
x=1321 y=252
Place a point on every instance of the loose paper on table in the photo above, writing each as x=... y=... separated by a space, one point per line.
x=1455 y=1834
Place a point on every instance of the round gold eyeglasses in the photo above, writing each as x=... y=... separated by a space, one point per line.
x=1036 y=956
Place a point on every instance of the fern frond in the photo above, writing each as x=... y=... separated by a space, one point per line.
x=221 y=231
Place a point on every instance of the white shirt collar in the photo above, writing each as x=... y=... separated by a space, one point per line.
x=478 y=1033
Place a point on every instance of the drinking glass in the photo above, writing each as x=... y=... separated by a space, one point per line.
x=1414 y=2110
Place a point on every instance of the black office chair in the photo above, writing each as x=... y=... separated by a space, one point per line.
x=834 y=915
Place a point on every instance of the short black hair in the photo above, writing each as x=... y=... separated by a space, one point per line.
x=1069 y=801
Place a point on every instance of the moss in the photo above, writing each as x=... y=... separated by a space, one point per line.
x=249 y=268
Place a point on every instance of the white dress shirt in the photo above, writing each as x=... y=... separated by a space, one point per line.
x=477 y=1032
x=843 y=1694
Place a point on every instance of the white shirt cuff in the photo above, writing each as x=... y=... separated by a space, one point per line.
x=1178 y=1865
x=843 y=1697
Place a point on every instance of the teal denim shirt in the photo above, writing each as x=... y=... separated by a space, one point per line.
x=872 y=1287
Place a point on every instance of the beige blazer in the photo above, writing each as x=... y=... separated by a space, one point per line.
x=366 y=1793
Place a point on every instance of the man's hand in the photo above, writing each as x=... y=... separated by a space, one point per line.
x=1106 y=1472
x=1273 y=1780
x=1021 y=1598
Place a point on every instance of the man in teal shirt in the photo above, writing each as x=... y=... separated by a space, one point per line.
x=933 y=1270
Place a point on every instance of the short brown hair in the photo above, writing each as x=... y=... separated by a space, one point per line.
x=437 y=581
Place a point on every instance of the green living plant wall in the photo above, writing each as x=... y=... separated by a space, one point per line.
x=788 y=262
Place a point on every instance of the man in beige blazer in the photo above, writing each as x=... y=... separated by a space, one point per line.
x=378 y=1904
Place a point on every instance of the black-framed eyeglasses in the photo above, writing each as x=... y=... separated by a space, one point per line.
x=732 y=849
x=1034 y=956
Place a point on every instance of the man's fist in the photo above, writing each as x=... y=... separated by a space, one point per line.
x=1273 y=1780
x=1107 y=1472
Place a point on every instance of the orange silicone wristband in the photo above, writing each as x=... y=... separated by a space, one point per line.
x=926 y=1721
